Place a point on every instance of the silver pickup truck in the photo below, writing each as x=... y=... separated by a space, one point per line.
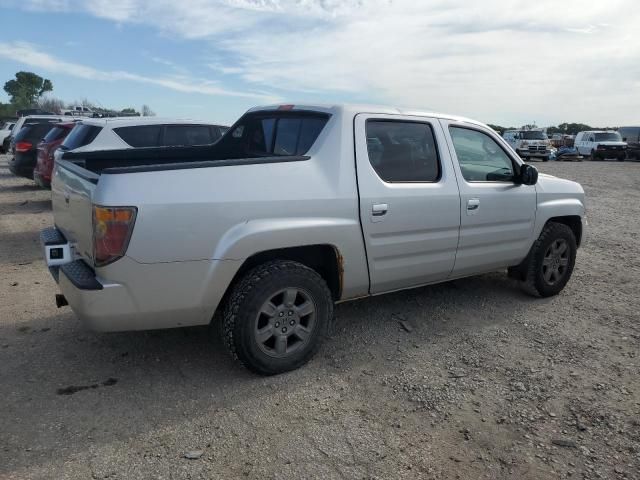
x=296 y=208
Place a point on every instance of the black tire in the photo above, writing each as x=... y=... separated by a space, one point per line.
x=545 y=159
x=242 y=317
x=536 y=265
x=622 y=158
x=593 y=156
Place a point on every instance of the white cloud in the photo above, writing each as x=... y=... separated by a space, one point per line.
x=29 y=54
x=498 y=60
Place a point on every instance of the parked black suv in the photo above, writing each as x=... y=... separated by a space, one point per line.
x=25 y=148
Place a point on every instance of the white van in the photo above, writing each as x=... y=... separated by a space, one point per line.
x=601 y=144
x=529 y=143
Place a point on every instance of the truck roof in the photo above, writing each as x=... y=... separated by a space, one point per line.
x=354 y=109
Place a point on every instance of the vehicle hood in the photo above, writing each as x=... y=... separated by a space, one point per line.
x=554 y=189
x=613 y=144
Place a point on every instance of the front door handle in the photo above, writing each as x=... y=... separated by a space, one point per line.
x=379 y=209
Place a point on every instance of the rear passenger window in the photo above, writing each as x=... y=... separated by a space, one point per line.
x=403 y=151
x=176 y=135
x=80 y=136
x=140 y=135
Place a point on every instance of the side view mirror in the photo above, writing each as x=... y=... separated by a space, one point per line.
x=624 y=139
x=528 y=174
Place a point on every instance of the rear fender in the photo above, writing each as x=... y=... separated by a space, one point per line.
x=252 y=237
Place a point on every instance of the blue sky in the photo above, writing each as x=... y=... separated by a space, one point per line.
x=507 y=62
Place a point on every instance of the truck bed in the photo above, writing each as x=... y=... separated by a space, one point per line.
x=163 y=158
x=107 y=159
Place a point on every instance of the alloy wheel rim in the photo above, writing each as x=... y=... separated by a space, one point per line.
x=285 y=322
x=555 y=262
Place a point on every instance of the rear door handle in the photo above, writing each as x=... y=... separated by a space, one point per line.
x=473 y=204
x=379 y=209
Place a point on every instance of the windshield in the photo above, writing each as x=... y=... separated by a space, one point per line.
x=608 y=137
x=533 y=135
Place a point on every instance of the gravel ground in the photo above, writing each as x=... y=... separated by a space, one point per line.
x=485 y=382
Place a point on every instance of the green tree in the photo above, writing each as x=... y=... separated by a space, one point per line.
x=25 y=90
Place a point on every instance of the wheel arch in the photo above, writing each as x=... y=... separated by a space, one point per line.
x=574 y=222
x=325 y=259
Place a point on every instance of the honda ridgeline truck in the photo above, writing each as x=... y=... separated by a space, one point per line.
x=294 y=209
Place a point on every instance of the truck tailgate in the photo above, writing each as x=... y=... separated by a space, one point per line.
x=71 y=192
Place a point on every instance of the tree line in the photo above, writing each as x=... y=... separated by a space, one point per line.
x=28 y=90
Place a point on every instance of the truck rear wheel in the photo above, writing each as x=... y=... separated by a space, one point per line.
x=550 y=262
x=277 y=317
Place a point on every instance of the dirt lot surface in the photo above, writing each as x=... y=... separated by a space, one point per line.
x=485 y=382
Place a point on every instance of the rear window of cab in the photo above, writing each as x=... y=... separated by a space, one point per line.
x=269 y=134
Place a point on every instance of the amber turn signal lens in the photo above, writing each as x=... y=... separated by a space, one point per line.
x=112 y=228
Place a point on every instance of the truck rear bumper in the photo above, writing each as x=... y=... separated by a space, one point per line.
x=113 y=307
x=128 y=295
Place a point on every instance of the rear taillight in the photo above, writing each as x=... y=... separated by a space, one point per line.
x=23 y=146
x=112 y=228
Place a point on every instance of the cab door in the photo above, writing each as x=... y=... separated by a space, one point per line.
x=497 y=214
x=409 y=200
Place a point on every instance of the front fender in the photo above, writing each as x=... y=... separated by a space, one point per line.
x=565 y=207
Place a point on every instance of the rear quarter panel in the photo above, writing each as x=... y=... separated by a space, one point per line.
x=230 y=213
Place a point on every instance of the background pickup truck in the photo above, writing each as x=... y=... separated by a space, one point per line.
x=295 y=208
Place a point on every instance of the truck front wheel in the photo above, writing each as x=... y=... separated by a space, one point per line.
x=277 y=317
x=550 y=262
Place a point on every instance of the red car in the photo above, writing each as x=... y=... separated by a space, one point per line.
x=53 y=139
